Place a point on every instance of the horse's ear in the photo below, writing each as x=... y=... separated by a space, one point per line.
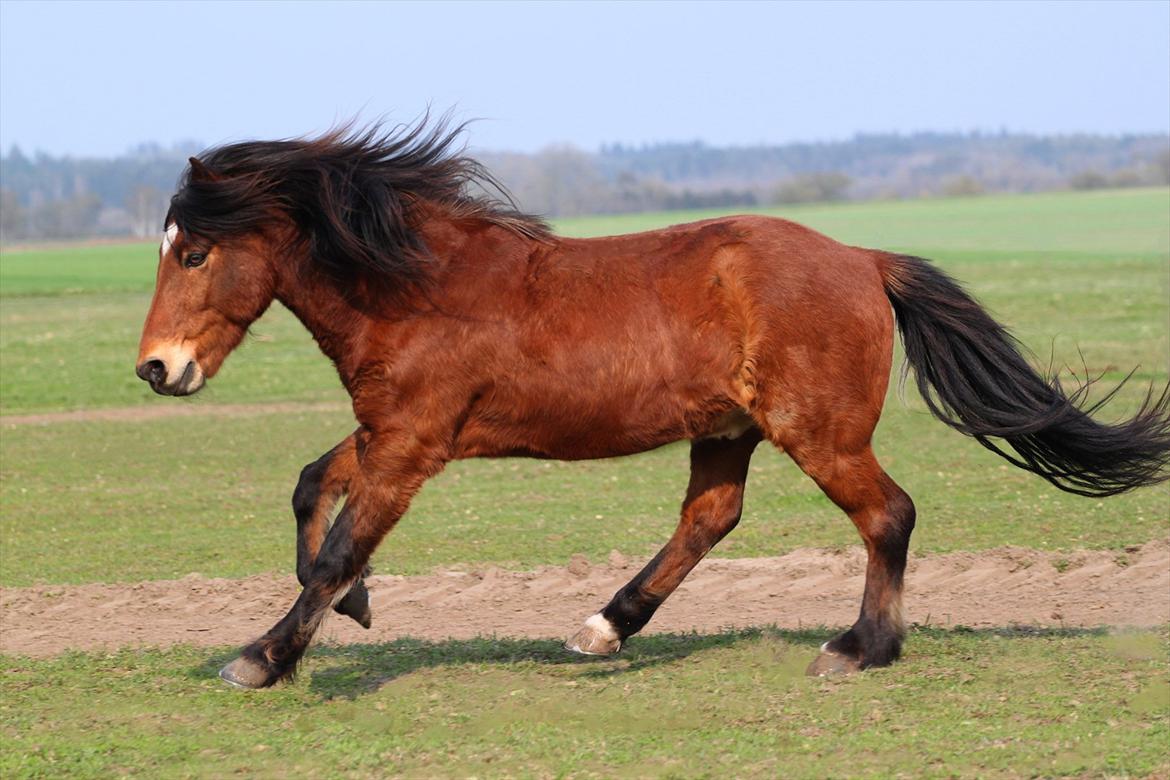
x=200 y=172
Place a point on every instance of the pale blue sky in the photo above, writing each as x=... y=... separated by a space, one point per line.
x=95 y=78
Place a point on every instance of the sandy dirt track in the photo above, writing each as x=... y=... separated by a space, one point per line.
x=1003 y=587
x=162 y=412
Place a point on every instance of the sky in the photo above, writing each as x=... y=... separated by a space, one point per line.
x=97 y=78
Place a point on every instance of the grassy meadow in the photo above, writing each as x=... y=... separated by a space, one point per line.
x=1082 y=278
x=219 y=504
x=974 y=704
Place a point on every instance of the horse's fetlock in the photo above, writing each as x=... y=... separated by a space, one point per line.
x=869 y=642
x=848 y=643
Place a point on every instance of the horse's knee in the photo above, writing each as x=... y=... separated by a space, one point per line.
x=308 y=490
x=709 y=518
x=340 y=561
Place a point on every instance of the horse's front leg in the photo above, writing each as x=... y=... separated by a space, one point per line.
x=390 y=470
x=321 y=485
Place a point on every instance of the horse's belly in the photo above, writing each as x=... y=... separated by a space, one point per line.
x=636 y=384
x=575 y=425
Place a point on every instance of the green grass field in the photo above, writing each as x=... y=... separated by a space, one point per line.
x=1075 y=275
x=963 y=704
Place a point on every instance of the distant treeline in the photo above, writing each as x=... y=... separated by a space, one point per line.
x=45 y=197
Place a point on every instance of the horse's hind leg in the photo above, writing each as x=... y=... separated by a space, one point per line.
x=322 y=484
x=711 y=509
x=884 y=516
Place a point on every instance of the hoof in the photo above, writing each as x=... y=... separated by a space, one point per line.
x=243 y=673
x=831 y=664
x=356 y=604
x=596 y=637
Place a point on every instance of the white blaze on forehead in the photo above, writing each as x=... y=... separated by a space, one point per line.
x=169 y=238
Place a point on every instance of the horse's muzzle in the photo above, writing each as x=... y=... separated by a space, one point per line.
x=164 y=380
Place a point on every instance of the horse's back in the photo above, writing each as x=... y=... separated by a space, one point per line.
x=771 y=287
x=641 y=339
x=801 y=321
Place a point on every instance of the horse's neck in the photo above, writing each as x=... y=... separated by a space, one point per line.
x=327 y=312
x=339 y=316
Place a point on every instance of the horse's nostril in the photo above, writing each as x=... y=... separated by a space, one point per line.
x=153 y=371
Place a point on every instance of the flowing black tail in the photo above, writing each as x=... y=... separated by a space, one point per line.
x=973 y=376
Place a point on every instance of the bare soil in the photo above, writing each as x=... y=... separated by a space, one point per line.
x=164 y=411
x=809 y=587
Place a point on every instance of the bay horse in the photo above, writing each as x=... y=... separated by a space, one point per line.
x=463 y=328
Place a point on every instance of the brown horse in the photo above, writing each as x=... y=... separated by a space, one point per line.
x=462 y=328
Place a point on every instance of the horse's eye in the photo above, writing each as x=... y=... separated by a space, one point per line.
x=195 y=259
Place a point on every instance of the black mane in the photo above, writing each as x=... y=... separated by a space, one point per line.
x=349 y=192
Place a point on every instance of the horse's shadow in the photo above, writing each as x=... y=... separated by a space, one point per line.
x=353 y=670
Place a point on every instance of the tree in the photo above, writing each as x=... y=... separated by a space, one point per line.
x=567 y=182
x=13 y=217
x=67 y=218
x=147 y=207
x=1162 y=167
x=814 y=188
x=962 y=186
x=1089 y=180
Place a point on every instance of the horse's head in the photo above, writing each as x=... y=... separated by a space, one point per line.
x=337 y=210
x=207 y=293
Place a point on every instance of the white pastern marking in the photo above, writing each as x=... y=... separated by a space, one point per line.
x=169 y=238
x=603 y=627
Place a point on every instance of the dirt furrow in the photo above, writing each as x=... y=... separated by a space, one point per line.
x=166 y=411
x=1002 y=587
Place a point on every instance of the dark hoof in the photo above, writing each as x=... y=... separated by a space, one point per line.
x=832 y=664
x=245 y=673
x=356 y=604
